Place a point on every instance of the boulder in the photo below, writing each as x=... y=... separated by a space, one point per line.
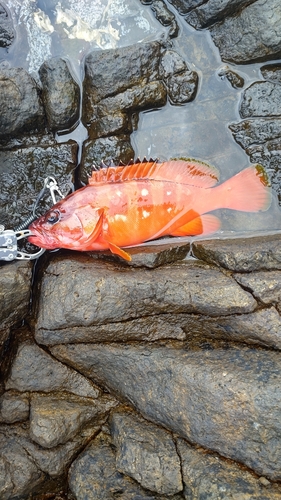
x=22 y=110
x=226 y=400
x=60 y=94
x=252 y=35
x=146 y=453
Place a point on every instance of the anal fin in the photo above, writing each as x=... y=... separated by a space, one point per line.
x=118 y=251
x=202 y=225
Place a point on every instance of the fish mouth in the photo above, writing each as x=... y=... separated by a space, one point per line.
x=41 y=240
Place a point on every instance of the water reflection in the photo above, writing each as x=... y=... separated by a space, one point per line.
x=71 y=29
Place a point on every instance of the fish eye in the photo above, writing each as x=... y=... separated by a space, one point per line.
x=53 y=216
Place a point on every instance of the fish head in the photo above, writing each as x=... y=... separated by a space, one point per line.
x=67 y=224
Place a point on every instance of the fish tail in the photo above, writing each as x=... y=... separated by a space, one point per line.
x=247 y=191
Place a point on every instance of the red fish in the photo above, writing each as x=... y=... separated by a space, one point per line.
x=125 y=206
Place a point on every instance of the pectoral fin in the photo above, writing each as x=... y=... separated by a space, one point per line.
x=118 y=251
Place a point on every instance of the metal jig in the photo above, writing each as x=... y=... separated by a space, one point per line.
x=9 y=238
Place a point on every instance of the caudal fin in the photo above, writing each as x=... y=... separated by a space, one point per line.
x=247 y=191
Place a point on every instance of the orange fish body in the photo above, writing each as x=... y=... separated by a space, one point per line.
x=125 y=206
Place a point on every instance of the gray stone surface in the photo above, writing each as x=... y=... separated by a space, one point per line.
x=60 y=95
x=97 y=293
x=35 y=370
x=24 y=465
x=261 y=99
x=7 y=33
x=272 y=72
x=235 y=80
x=239 y=40
x=226 y=400
x=211 y=12
x=265 y=286
x=57 y=417
x=208 y=476
x=23 y=170
x=21 y=107
x=93 y=475
x=241 y=254
x=146 y=453
x=182 y=87
x=115 y=147
x=15 y=281
x=14 y=407
x=149 y=256
x=260 y=130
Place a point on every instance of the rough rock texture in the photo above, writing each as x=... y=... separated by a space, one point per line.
x=14 y=407
x=265 y=286
x=7 y=34
x=149 y=256
x=93 y=475
x=261 y=99
x=238 y=39
x=212 y=11
x=25 y=465
x=235 y=80
x=232 y=395
x=208 y=476
x=21 y=106
x=99 y=293
x=242 y=255
x=23 y=171
x=15 y=281
x=61 y=94
x=271 y=72
x=146 y=453
x=57 y=418
x=31 y=360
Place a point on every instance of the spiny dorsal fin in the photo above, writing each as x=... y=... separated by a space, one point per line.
x=189 y=172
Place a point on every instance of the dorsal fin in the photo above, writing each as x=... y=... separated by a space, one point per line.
x=189 y=172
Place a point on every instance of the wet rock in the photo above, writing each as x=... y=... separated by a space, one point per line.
x=261 y=99
x=18 y=472
x=112 y=115
x=149 y=328
x=235 y=80
x=182 y=87
x=232 y=395
x=259 y=130
x=57 y=418
x=146 y=453
x=22 y=175
x=184 y=6
x=15 y=281
x=209 y=476
x=7 y=34
x=93 y=475
x=14 y=407
x=239 y=40
x=107 y=74
x=165 y=17
x=22 y=111
x=212 y=12
x=150 y=256
x=35 y=370
x=242 y=254
x=60 y=95
x=272 y=72
x=261 y=327
x=171 y=63
x=97 y=293
x=115 y=148
x=265 y=286
x=24 y=465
